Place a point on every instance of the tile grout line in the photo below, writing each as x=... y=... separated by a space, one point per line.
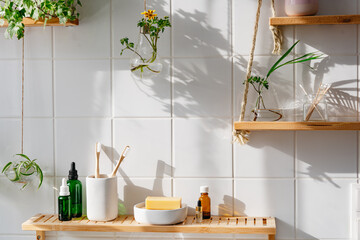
x=112 y=102
x=295 y=143
x=53 y=113
x=232 y=40
x=171 y=98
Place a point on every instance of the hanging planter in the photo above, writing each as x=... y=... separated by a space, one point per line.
x=144 y=62
x=23 y=171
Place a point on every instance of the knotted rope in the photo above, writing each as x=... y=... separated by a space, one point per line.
x=242 y=136
x=276 y=32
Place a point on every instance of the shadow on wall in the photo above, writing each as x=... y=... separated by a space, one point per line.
x=134 y=194
x=342 y=98
x=202 y=87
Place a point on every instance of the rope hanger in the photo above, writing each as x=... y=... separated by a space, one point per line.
x=242 y=136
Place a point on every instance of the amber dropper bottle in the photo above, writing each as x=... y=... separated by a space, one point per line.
x=205 y=202
x=198 y=212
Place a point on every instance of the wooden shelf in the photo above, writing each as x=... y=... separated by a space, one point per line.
x=235 y=225
x=315 y=20
x=28 y=22
x=296 y=126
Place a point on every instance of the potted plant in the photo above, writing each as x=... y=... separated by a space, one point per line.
x=23 y=171
x=13 y=11
x=144 y=62
x=261 y=84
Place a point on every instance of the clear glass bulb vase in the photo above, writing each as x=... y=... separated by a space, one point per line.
x=145 y=62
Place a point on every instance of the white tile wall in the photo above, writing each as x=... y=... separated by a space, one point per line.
x=38 y=88
x=75 y=140
x=267 y=197
x=82 y=88
x=323 y=204
x=150 y=142
x=10 y=96
x=141 y=98
x=202 y=28
x=202 y=87
x=78 y=90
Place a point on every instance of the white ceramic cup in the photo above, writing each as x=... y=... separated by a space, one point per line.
x=101 y=198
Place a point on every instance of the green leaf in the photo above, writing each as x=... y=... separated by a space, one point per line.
x=23 y=155
x=272 y=69
x=6 y=167
x=41 y=175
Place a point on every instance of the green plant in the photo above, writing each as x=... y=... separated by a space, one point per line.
x=151 y=27
x=18 y=171
x=262 y=83
x=13 y=11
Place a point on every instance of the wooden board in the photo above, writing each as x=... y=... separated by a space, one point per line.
x=237 y=225
x=315 y=20
x=296 y=126
x=28 y=22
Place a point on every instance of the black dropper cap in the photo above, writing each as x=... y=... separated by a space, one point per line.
x=73 y=172
x=199 y=203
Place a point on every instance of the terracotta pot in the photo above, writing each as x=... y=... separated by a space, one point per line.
x=301 y=7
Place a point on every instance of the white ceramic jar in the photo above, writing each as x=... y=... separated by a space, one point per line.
x=301 y=7
x=101 y=198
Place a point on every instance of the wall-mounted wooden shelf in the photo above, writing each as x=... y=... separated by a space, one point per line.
x=296 y=126
x=315 y=20
x=28 y=22
x=236 y=225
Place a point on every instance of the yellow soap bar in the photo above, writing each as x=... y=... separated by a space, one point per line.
x=162 y=203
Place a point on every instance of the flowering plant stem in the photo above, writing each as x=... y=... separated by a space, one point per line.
x=151 y=27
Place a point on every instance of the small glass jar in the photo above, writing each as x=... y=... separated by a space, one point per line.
x=315 y=110
x=301 y=7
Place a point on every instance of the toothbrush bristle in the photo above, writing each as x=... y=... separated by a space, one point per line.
x=126 y=151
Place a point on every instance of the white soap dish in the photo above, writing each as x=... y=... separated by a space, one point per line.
x=159 y=217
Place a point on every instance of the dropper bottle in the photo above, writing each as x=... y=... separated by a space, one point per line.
x=199 y=212
x=75 y=187
x=64 y=202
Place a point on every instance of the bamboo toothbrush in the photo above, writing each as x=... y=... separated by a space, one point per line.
x=97 y=157
x=122 y=156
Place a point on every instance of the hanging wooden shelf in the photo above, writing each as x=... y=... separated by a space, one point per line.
x=296 y=126
x=236 y=225
x=28 y=22
x=315 y=20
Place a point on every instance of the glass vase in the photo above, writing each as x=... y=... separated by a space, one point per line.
x=301 y=7
x=315 y=110
x=267 y=115
x=145 y=63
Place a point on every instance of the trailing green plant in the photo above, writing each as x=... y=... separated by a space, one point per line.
x=151 y=27
x=13 y=11
x=260 y=83
x=17 y=171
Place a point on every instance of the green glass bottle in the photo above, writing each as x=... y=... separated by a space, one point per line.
x=64 y=202
x=75 y=187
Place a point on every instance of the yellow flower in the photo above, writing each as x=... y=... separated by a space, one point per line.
x=149 y=14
